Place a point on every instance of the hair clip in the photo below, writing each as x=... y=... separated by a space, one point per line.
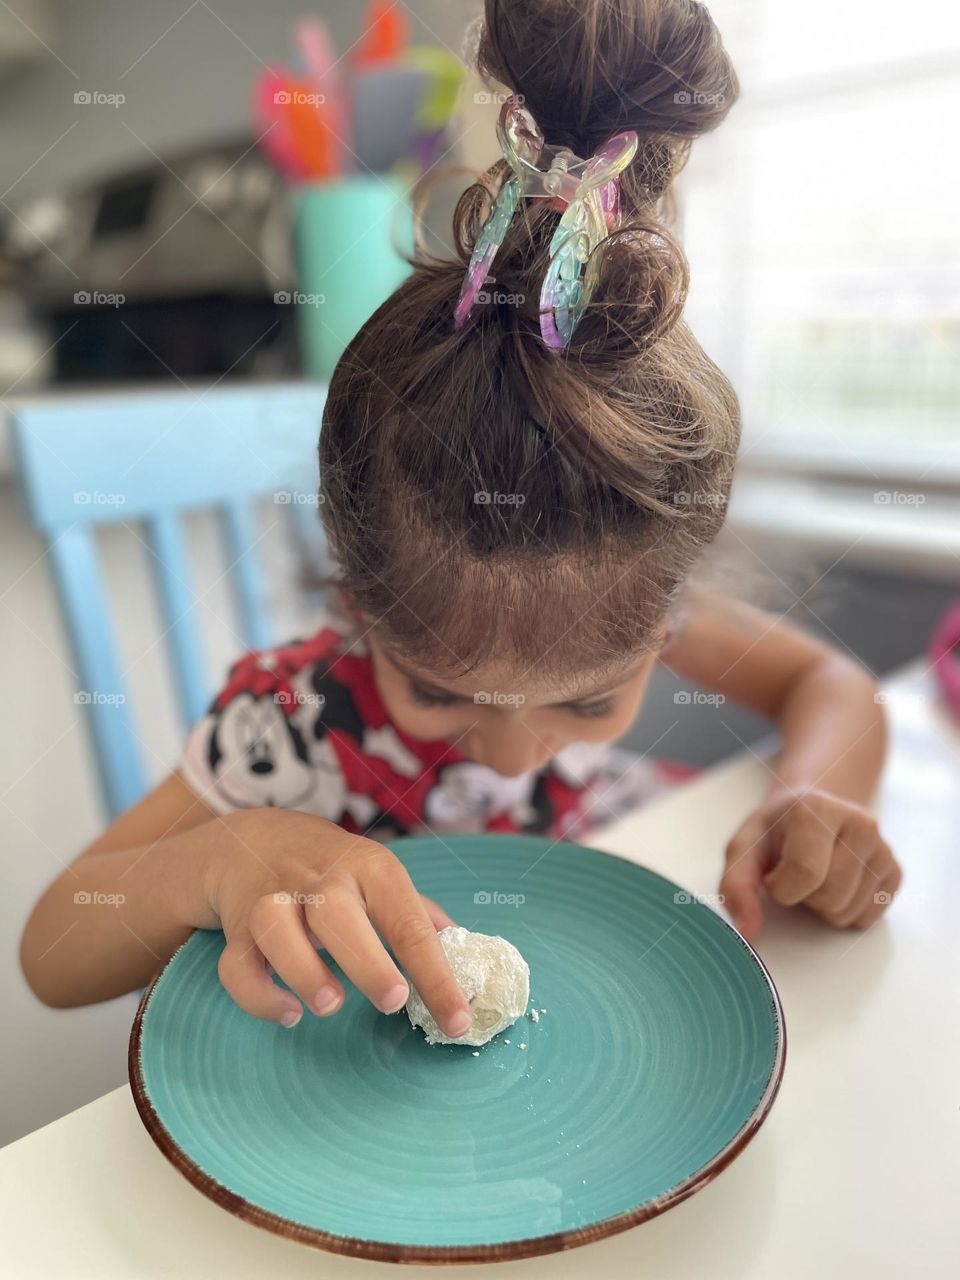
x=590 y=192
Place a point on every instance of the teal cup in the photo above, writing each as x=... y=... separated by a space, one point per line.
x=349 y=237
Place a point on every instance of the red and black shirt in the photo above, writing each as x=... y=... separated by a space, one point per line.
x=303 y=727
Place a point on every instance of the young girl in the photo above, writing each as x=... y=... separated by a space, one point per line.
x=515 y=501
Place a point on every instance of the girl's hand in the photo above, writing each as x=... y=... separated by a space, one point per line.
x=284 y=880
x=813 y=848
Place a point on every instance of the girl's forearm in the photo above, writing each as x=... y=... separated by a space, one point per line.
x=111 y=920
x=833 y=731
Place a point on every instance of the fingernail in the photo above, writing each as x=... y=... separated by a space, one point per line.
x=291 y=1018
x=458 y=1024
x=395 y=998
x=326 y=1000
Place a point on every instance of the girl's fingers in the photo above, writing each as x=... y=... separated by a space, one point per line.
x=805 y=857
x=850 y=873
x=279 y=931
x=244 y=976
x=746 y=857
x=403 y=917
x=881 y=898
x=436 y=913
x=873 y=889
x=340 y=922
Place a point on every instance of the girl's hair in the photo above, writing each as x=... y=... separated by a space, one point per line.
x=487 y=497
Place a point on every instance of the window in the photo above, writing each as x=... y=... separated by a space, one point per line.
x=822 y=222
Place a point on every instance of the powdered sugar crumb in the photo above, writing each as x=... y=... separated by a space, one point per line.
x=534 y=1014
x=521 y=1046
x=475 y=1054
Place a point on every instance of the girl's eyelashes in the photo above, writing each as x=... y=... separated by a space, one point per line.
x=430 y=697
x=591 y=709
x=424 y=696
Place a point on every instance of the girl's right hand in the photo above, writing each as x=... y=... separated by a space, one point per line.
x=283 y=882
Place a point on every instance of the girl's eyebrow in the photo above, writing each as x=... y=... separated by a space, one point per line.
x=609 y=687
x=424 y=683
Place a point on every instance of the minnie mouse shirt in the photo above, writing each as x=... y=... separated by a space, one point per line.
x=303 y=727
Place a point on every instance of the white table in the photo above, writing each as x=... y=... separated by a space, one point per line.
x=855 y=1173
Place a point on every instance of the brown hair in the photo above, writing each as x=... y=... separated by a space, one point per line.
x=487 y=496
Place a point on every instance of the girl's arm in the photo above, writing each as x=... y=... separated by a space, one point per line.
x=832 y=727
x=811 y=840
x=115 y=914
x=274 y=880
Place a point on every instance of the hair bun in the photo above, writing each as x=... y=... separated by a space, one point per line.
x=588 y=69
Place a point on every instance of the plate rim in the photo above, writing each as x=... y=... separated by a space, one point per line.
x=502 y=1251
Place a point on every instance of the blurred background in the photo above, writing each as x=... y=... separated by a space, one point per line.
x=199 y=204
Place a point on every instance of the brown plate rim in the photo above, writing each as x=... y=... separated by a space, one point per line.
x=506 y=1251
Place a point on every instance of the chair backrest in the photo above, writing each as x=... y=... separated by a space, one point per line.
x=89 y=459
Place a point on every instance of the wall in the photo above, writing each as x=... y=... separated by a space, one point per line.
x=184 y=68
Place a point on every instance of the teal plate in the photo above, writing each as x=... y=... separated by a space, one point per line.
x=657 y=1056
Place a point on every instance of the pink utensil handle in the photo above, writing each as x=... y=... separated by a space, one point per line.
x=945 y=654
x=272 y=128
x=322 y=64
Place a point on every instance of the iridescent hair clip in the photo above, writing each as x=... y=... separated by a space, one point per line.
x=588 y=191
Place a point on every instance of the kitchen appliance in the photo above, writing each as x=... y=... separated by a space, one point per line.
x=169 y=270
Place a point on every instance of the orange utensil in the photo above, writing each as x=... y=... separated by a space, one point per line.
x=387 y=31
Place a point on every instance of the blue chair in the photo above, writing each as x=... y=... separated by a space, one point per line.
x=162 y=453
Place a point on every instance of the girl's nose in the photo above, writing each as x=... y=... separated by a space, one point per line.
x=508 y=748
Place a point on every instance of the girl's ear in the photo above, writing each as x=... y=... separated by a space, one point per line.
x=671 y=628
x=345 y=603
x=348 y=608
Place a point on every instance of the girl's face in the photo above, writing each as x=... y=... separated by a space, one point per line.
x=511 y=723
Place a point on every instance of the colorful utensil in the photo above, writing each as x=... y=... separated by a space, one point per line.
x=293 y=130
x=322 y=65
x=445 y=75
x=385 y=34
x=386 y=100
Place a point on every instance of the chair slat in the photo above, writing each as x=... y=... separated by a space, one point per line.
x=74 y=559
x=179 y=608
x=246 y=579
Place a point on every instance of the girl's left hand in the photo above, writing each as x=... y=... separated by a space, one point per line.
x=814 y=848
